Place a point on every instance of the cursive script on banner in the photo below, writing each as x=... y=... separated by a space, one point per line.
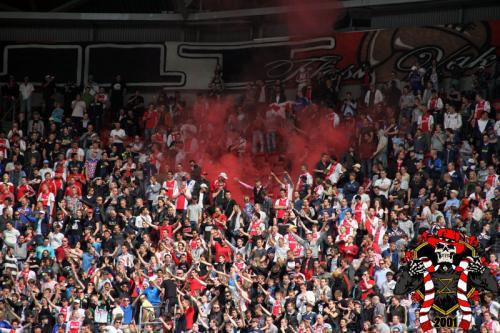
x=464 y=59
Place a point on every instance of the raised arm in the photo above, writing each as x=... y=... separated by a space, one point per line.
x=244 y=185
x=75 y=274
x=277 y=179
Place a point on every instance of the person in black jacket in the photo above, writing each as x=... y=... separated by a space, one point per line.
x=169 y=289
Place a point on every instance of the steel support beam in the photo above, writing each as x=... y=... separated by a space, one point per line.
x=8 y=8
x=58 y=15
x=69 y=5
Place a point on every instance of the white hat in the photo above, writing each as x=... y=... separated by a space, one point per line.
x=223 y=175
x=203 y=185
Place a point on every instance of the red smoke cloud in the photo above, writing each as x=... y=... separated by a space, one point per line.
x=304 y=21
x=302 y=143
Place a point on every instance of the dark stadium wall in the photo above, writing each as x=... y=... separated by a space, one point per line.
x=189 y=66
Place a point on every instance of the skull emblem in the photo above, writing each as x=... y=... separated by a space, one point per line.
x=445 y=253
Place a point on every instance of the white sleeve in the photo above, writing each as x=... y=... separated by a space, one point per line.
x=440 y=104
x=487 y=106
x=309 y=179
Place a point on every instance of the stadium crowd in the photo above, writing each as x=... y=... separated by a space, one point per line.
x=122 y=229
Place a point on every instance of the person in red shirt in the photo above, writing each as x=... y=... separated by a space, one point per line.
x=349 y=250
x=61 y=250
x=74 y=324
x=220 y=219
x=187 y=307
x=6 y=183
x=185 y=258
x=6 y=194
x=165 y=230
x=222 y=249
x=25 y=190
x=78 y=178
x=150 y=119
x=220 y=180
x=307 y=265
x=281 y=205
x=196 y=283
x=366 y=284
x=50 y=184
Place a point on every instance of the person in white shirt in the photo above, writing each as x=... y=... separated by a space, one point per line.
x=489 y=323
x=452 y=119
x=27 y=273
x=425 y=121
x=349 y=107
x=383 y=183
x=79 y=107
x=373 y=96
x=143 y=220
x=46 y=169
x=126 y=258
x=435 y=103
x=26 y=89
x=80 y=153
x=116 y=327
x=117 y=136
x=56 y=237
x=304 y=173
x=117 y=312
x=10 y=235
x=77 y=313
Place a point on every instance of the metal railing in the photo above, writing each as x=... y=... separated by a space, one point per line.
x=12 y=112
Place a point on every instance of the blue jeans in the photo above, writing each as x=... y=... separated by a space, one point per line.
x=257 y=142
x=148 y=133
x=26 y=108
x=366 y=167
x=271 y=141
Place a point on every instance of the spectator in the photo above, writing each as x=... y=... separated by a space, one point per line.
x=26 y=90
x=112 y=232
x=373 y=97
